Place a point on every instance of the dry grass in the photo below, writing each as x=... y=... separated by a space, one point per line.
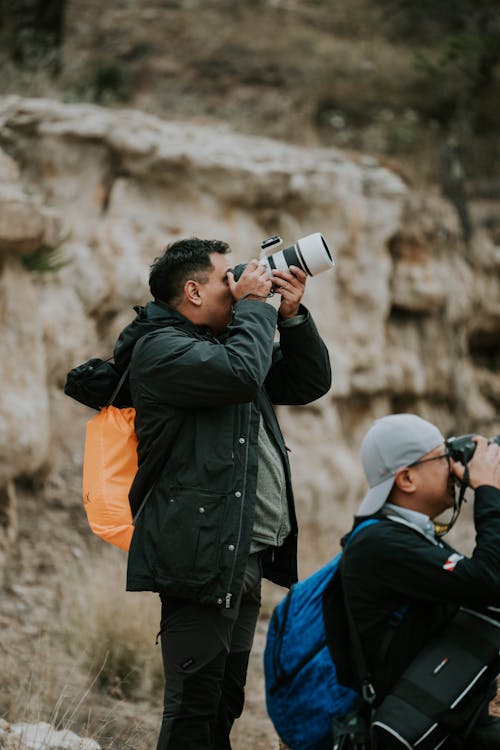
x=113 y=632
x=36 y=682
x=309 y=71
x=78 y=651
x=93 y=668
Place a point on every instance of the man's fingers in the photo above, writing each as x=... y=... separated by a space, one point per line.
x=294 y=276
x=281 y=281
x=457 y=468
x=481 y=444
x=298 y=273
x=484 y=466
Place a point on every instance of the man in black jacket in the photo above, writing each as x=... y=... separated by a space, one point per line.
x=402 y=582
x=205 y=371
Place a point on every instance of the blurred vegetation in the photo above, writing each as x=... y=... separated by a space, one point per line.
x=32 y=31
x=416 y=83
x=45 y=259
x=457 y=85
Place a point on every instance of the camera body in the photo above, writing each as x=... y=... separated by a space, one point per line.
x=310 y=253
x=462 y=448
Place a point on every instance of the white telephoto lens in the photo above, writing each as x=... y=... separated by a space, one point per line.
x=310 y=253
x=315 y=254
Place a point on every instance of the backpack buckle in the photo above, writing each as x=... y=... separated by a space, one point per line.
x=368 y=693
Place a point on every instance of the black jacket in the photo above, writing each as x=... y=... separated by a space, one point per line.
x=402 y=589
x=198 y=402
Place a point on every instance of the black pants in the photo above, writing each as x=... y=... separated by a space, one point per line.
x=205 y=659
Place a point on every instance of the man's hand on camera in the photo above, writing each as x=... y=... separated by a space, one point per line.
x=484 y=466
x=290 y=285
x=254 y=282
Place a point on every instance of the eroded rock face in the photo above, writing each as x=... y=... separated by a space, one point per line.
x=412 y=321
x=24 y=402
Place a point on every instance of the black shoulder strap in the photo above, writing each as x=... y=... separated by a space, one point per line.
x=362 y=672
x=149 y=471
x=361 y=669
x=119 y=385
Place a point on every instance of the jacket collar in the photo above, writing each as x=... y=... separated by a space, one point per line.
x=412 y=518
x=156 y=309
x=152 y=317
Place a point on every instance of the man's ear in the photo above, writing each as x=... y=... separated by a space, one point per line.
x=192 y=292
x=403 y=480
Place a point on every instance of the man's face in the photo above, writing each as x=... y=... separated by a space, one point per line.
x=436 y=481
x=217 y=300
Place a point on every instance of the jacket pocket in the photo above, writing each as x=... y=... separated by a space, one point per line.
x=190 y=535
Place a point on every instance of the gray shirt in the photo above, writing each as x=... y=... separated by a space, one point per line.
x=272 y=521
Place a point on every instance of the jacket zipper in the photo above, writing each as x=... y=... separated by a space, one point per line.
x=243 y=491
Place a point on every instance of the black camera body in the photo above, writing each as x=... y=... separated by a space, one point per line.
x=238 y=270
x=462 y=448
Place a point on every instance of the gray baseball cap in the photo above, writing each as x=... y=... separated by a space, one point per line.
x=391 y=443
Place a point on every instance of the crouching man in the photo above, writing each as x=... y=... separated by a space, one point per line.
x=402 y=582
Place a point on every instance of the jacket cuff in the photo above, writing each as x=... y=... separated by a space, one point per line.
x=488 y=490
x=300 y=318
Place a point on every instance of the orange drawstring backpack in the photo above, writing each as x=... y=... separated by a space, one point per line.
x=109 y=468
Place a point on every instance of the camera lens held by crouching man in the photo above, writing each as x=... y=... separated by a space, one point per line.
x=463 y=448
x=460 y=449
x=408 y=616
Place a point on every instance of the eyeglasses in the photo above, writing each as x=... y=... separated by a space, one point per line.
x=434 y=458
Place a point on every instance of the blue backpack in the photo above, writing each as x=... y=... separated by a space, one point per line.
x=302 y=690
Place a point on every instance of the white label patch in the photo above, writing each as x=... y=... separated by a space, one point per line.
x=452 y=561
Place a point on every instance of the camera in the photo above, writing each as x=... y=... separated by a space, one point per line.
x=310 y=253
x=462 y=448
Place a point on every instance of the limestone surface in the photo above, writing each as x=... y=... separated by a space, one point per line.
x=410 y=315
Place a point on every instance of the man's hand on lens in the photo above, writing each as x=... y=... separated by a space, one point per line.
x=290 y=285
x=254 y=282
x=484 y=466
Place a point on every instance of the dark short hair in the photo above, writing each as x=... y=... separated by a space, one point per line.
x=181 y=261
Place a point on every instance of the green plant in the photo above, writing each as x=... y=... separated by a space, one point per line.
x=111 y=82
x=45 y=259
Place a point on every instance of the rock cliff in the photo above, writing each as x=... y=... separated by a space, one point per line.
x=411 y=317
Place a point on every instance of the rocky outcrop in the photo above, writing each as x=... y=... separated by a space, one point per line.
x=412 y=322
x=41 y=736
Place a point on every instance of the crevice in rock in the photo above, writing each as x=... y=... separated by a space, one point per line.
x=484 y=349
x=114 y=172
